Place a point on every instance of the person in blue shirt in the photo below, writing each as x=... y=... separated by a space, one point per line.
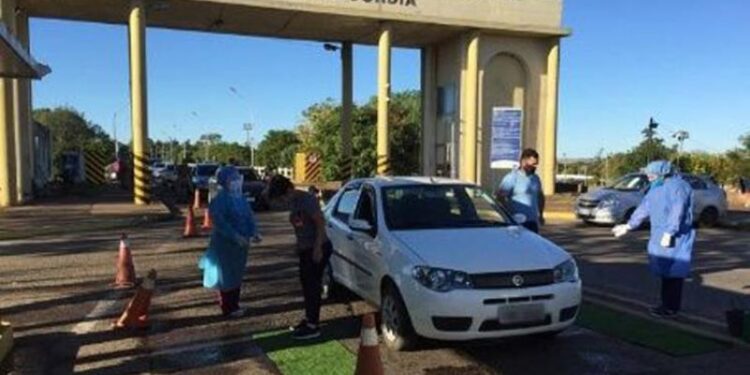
x=225 y=260
x=669 y=207
x=521 y=191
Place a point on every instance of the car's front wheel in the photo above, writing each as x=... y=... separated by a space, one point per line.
x=398 y=332
x=709 y=217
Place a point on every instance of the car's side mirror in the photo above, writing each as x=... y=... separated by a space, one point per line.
x=360 y=225
x=519 y=218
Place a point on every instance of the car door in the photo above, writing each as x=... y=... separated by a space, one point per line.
x=701 y=196
x=367 y=254
x=340 y=235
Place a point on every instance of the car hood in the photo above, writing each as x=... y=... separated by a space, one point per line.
x=627 y=198
x=480 y=250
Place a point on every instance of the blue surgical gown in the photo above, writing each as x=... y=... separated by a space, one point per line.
x=224 y=261
x=670 y=210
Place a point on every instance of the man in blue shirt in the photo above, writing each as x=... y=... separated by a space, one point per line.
x=521 y=191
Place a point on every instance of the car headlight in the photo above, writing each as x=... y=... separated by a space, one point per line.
x=441 y=280
x=566 y=272
x=609 y=203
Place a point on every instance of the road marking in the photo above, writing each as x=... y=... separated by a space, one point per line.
x=105 y=307
x=102 y=309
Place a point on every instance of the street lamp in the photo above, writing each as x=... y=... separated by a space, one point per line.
x=248 y=129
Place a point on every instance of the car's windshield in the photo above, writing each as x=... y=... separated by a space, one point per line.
x=206 y=170
x=248 y=175
x=439 y=207
x=631 y=182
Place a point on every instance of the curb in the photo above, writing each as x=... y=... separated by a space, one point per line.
x=686 y=322
x=559 y=215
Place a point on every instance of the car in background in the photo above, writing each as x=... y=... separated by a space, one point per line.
x=616 y=203
x=254 y=189
x=165 y=172
x=201 y=174
x=441 y=259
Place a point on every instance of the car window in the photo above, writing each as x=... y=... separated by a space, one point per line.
x=366 y=207
x=631 y=182
x=695 y=182
x=248 y=175
x=206 y=170
x=346 y=205
x=440 y=206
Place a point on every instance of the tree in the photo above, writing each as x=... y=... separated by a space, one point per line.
x=277 y=149
x=207 y=141
x=321 y=127
x=71 y=131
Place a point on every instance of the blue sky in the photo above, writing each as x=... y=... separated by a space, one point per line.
x=683 y=62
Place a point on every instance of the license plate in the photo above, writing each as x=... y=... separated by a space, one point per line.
x=251 y=199
x=584 y=212
x=525 y=313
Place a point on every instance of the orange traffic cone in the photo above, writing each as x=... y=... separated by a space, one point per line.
x=190 y=230
x=207 y=223
x=125 y=277
x=368 y=357
x=136 y=313
x=197 y=199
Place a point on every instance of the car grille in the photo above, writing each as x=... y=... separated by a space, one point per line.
x=504 y=280
x=495 y=325
x=584 y=203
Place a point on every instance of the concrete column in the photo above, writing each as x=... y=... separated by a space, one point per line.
x=138 y=103
x=429 y=109
x=8 y=195
x=470 y=131
x=549 y=154
x=384 y=89
x=346 y=110
x=23 y=130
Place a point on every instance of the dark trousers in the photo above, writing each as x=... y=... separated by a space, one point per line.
x=671 y=292
x=532 y=226
x=229 y=300
x=311 y=278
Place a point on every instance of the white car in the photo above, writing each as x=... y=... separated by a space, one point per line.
x=615 y=204
x=442 y=260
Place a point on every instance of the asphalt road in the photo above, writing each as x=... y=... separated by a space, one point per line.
x=720 y=277
x=56 y=292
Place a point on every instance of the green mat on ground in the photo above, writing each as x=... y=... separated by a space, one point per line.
x=645 y=332
x=322 y=356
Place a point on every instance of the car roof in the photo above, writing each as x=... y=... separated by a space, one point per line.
x=393 y=181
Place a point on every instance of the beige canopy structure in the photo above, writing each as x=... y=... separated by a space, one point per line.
x=489 y=72
x=15 y=62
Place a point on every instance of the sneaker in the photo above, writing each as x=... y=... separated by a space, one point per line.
x=239 y=313
x=302 y=323
x=306 y=332
x=662 y=312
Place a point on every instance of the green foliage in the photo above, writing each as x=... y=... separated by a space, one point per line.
x=70 y=131
x=277 y=149
x=321 y=132
x=725 y=167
